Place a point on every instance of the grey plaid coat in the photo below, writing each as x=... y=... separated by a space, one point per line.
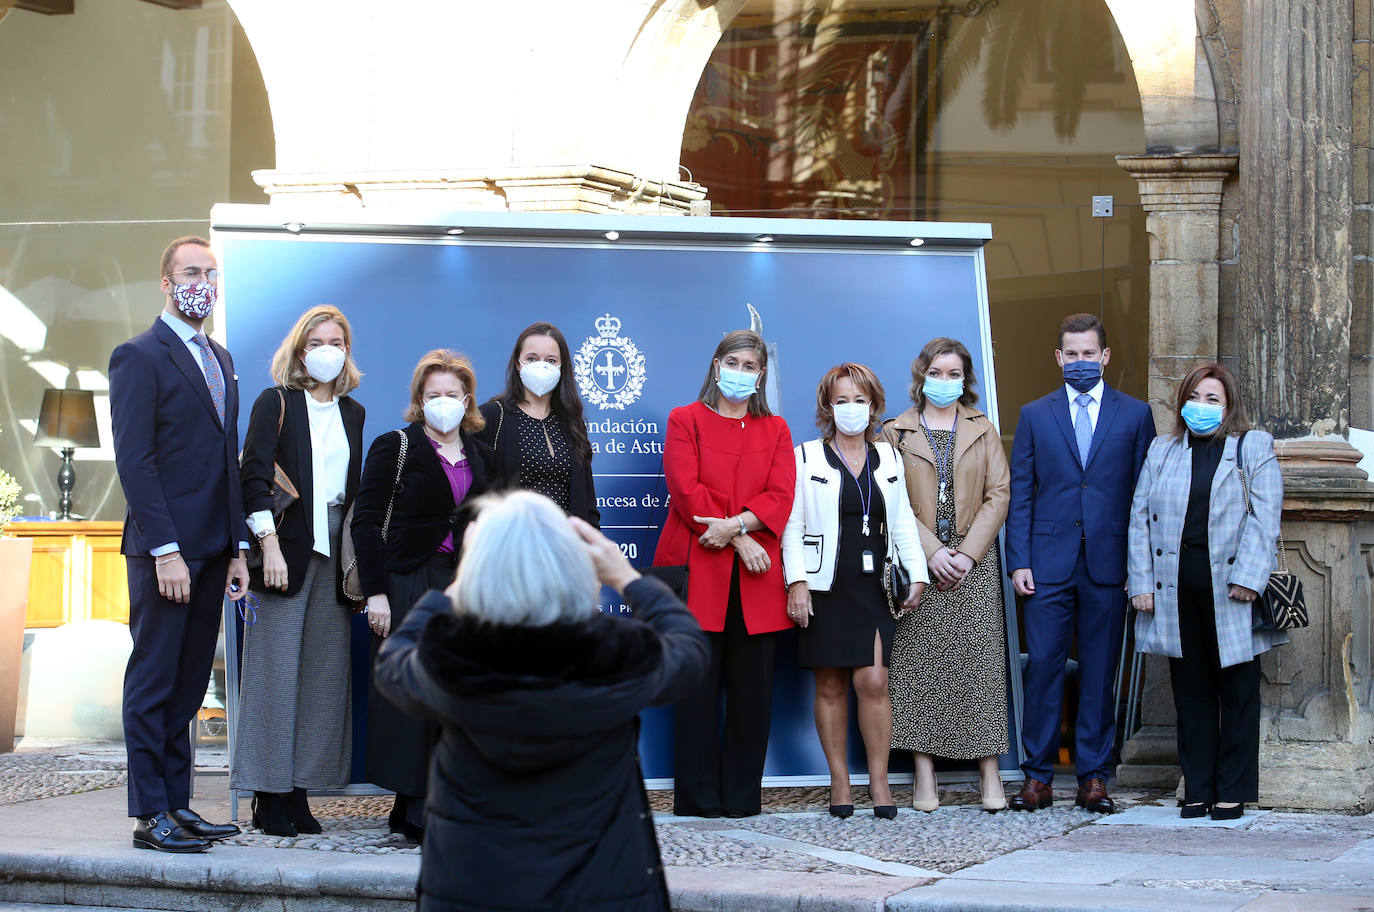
x=1240 y=545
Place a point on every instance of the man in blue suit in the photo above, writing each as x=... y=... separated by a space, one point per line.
x=1074 y=464
x=174 y=409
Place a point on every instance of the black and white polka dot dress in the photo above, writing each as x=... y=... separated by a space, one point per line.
x=545 y=460
x=947 y=677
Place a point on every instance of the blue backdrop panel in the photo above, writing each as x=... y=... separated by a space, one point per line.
x=642 y=321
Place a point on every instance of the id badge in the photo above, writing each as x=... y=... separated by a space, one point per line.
x=943 y=530
x=867 y=561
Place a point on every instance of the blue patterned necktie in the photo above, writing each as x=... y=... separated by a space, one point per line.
x=1083 y=428
x=213 y=377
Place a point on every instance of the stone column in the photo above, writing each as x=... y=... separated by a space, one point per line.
x=1181 y=194
x=1293 y=325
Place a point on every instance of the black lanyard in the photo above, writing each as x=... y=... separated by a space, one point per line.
x=944 y=459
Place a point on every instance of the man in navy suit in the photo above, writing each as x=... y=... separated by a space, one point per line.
x=1074 y=464
x=174 y=409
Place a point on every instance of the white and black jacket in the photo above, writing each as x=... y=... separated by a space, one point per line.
x=812 y=535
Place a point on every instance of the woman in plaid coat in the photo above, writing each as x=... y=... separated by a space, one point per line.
x=1197 y=557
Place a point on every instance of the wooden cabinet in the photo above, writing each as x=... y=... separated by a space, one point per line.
x=77 y=572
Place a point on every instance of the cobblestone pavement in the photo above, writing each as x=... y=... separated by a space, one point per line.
x=59 y=768
x=796 y=835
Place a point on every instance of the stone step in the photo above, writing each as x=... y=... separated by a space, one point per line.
x=49 y=907
x=227 y=879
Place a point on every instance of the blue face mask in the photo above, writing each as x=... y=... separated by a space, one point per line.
x=942 y=392
x=1202 y=417
x=736 y=385
x=1082 y=375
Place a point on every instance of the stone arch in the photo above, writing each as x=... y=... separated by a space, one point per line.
x=1173 y=73
x=438 y=93
x=357 y=86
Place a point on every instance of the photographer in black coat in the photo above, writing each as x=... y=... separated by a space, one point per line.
x=536 y=800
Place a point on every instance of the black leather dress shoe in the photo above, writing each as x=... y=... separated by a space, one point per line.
x=197 y=825
x=163 y=834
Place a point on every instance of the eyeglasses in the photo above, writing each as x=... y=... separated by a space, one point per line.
x=194 y=274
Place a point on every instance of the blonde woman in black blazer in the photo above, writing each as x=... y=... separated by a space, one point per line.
x=294 y=729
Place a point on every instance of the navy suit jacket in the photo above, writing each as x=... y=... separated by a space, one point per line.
x=177 y=463
x=1056 y=503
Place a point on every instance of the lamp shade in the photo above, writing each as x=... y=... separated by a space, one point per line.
x=67 y=419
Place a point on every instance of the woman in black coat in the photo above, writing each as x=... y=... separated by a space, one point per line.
x=407 y=536
x=537 y=801
x=294 y=726
x=535 y=428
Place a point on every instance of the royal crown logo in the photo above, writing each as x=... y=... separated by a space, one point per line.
x=609 y=368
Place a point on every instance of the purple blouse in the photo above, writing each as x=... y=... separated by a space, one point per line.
x=459 y=476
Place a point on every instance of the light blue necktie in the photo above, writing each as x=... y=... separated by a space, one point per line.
x=1083 y=428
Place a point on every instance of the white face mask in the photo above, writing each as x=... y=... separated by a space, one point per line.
x=540 y=377
x=324 y=363
x=852 y=418
x=444 y=413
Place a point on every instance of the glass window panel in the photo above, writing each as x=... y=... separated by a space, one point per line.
x=1008 y=113
x=120 y=126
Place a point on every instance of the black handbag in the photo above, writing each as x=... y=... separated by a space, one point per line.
x=1281 y=606
x=896 y=583
x=284 y=494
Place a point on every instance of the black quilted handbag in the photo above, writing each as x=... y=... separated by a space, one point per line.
x=1281 y=606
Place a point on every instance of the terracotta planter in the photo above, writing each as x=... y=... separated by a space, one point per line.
x=15 y=556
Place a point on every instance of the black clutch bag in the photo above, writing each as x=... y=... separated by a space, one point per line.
x=896 y=584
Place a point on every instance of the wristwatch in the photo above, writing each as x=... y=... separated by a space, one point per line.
x=265 y=533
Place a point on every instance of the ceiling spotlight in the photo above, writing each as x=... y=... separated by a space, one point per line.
x=294 y=227
x=455 y=231
x=917 y=242
x=612 y=235
x=764 y=238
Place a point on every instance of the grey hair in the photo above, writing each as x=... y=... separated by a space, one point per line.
x=524 y=565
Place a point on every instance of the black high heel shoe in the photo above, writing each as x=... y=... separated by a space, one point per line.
x=1194 y=810
x=842 y=810
x=1231 y=813
x=299 y=811
x=885 y=811
x=269 y=815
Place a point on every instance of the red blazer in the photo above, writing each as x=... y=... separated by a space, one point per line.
x=716 y=466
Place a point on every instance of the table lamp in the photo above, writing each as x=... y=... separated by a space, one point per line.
x=67 y=420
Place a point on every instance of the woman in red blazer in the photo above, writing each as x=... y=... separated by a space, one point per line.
x=729 y=467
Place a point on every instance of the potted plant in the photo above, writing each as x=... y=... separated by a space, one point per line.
x=15 y=555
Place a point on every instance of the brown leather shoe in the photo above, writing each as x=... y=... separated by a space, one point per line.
x=1092 y=796
x=1033 y=796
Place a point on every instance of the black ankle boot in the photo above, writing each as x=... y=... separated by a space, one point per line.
x=299 y=810
x=270 y=816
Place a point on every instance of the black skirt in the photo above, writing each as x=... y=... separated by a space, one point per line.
x=845 y=619
x=399 y=745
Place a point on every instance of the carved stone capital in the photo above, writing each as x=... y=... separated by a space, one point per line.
x=1180 y=182
x=579 y=188
x=1322 y=480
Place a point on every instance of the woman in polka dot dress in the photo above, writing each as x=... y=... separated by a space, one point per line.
x=536 y=426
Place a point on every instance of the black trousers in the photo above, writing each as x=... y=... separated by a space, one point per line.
x=1218 y=708
x=399 y=745
x=166 y=679
x=719 y=771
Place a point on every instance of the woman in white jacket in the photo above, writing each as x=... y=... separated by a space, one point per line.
x=850 y=512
